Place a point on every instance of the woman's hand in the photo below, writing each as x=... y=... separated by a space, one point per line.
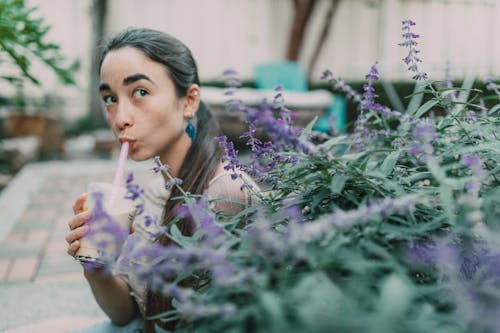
x=112 y=293
x=77 y=225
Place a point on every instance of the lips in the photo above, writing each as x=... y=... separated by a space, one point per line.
x=127 y=139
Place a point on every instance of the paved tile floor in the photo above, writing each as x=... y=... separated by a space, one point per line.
x=42 y=289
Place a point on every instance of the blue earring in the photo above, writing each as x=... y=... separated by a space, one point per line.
x=191 y=130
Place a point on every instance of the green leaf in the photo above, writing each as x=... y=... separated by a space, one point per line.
x=494 y=109
x=416 y=97
x=418 y=176
x=273 y=309
x=395 y=296
x=489 y=146
x=446 y=198
x=178 y=236
x=426 y=107
x=436 y=170
x=315 y=299
x=334 y=141
x=390 y=162
x=420 y=92
x=308 y=129
x=466 y=88
x=338 y=182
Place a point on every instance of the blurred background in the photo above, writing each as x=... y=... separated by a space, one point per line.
x=50 y=108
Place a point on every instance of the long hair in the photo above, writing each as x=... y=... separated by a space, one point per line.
x=204 y=154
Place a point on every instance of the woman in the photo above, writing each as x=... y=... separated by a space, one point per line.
x=151 y=91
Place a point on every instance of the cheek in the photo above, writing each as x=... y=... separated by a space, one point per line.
x=110 y=119
x=165 y=114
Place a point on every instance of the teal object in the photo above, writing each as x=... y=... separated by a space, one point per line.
x=108 y=327
x=292 y=77
x=336 y=113
x=288 y=74
x=191 y=130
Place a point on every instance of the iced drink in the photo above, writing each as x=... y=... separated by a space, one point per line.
x=108 y=227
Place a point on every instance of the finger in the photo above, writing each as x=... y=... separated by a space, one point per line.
x=132 y=229
x=73 y=248
x=78 y=207
x=77 y=233
x=79 y=220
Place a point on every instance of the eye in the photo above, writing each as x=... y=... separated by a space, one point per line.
x=109 y=100
x=140 y=93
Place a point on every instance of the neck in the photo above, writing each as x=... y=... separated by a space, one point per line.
x=175 y=156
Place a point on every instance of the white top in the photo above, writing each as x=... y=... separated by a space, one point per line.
x=130 y=262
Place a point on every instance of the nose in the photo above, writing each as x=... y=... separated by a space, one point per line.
x=124 y=116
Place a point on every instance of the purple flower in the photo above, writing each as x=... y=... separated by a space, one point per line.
x=129 y=178
x=160 y=167
x=229 y=71
x=472 y=187
x=134 y=191
x=425 y=133
x=407 y=23
x=470 y=116
x=410 y=42
x=415 y=150
x=212 y=233
x=373 y=74
x=174 y=291
x=474 y=163
x=173 y=182
x=348 y=91
x=492 y=85
x=421 y=254
x=148 y=220
x=467 y=261
x=266 y=155
x=231 y=78
x=231 y=156
x=327 y=74
x=471 y=161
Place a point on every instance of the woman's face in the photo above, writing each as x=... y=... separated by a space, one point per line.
x=142 y=107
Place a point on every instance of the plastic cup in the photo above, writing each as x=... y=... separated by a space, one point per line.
x=106 y=237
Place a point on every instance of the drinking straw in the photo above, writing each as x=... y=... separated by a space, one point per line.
x=120 y=170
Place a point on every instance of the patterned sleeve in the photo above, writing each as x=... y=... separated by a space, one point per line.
x=231 y=196
x=131 y=259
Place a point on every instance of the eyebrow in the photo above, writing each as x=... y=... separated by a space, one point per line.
x=136 y=77
x=128 y=81
x=104 y=87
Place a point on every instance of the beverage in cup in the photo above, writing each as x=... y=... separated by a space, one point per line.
x=112 y=217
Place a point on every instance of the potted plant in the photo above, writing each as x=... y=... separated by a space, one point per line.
x=24 y=41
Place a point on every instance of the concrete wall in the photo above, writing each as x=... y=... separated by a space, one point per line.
x=240 y=33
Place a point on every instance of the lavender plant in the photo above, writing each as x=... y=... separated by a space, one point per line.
x=391 y=228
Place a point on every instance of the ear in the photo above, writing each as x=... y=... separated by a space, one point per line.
x=191 y=101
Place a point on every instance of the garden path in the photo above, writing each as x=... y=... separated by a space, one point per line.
x=42 y=289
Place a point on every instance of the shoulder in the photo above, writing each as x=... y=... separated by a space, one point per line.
x=231 y=195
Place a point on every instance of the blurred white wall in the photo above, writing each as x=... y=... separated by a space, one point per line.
x=240 y=33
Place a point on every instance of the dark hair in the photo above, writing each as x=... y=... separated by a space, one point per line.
x=204 y=154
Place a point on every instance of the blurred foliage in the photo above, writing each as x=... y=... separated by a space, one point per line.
x=84 y=124
x=23 y=39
